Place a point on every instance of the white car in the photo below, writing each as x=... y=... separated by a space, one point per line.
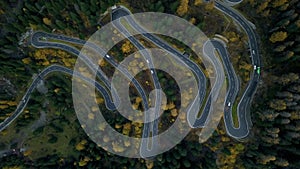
x=107 y=56
x=254 y=67
x=228 y=104
x=253 y=51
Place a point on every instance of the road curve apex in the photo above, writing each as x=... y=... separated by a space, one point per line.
x=232 y=2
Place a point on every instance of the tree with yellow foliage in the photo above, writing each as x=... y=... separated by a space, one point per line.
x=198 y=2
x=183 y=7
x=192 y=21
x=47 y=21
x=117 y=147
x=127 y=47
x=27 y=153
x=26 y=61
x=81 y=145
x=277 y=3
x=174 y=112
x=232 y=36
x=149 y=164
x=91 y=116
x=262 y=6
x=210 y=5
x=84 y=161
x=12 y=167
x=278 y=104
x=245 y=65
x=126 y=129
x=102 y=62
x=99 y=100
x=278 y=36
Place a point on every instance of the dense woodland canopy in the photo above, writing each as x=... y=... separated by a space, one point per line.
x=274 y=138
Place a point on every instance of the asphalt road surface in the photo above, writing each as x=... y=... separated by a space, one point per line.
x=55 y=68
x=243 y=107
x=244 y=104
x=233 y=2
x=150 y=128
x=200 y=77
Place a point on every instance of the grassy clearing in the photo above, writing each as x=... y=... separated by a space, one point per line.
x=234 y=114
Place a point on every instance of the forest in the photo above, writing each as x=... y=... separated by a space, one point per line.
x=59 y=141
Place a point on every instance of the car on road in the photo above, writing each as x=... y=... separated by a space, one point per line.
x=229 y=104
x=254 y=67
x=253 y=52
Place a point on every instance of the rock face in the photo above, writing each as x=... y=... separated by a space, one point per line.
x=7 y=89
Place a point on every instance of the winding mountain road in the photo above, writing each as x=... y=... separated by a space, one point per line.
x=55 y=68
x=243 y=108
x=213 y=45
